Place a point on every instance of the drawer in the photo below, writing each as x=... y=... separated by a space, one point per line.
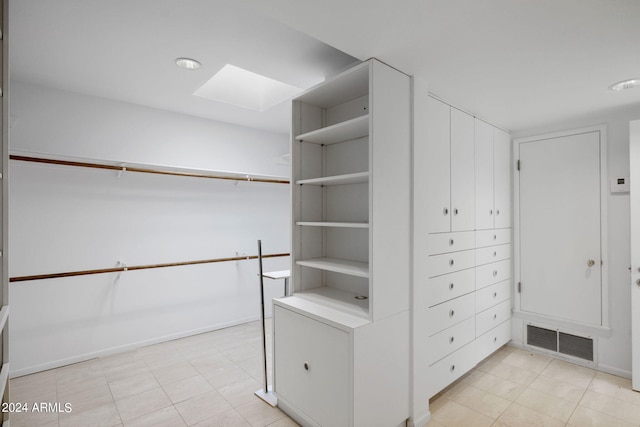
x=493 y=254
x=449 y=340
x=492 y=295
x=449 y=313
x=449 y=369
x=493 y=237
x=450 y=242
x=443 y=288
x=312 y=367
x=449 y=263
x=492 y=317
x=493 y=339
x=489 y=274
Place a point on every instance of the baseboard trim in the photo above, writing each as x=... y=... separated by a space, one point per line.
x=126 y=347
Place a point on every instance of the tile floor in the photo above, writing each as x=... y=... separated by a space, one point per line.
x=209 y=380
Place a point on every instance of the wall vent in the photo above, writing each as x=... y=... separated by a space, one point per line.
x=560 y=342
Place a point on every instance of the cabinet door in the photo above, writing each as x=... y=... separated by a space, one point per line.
x=312 y=367
x=484 y=175
x=502 y=178
x=436 y=162
x=462 y=171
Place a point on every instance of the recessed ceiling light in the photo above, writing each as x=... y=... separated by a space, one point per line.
x=243 y=88
x=188 y=63
x=625 y=84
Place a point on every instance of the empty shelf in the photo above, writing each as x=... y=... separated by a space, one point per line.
x=352 y=268
x=343 y=131
x=333 y=224
x=351 y=178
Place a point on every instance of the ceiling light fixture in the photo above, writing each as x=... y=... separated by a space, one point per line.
x=625 y=84
x=188 y=63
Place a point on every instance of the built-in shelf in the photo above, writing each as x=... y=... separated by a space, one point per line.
x=333 y=224
x=350 y=178
x=338 y=299
x=352 y=268
x=343 y=131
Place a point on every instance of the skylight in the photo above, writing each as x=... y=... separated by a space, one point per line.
x=243 y=88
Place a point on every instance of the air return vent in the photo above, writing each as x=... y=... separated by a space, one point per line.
x=560 y=342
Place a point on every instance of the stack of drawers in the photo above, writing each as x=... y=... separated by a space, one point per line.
x=468 y=298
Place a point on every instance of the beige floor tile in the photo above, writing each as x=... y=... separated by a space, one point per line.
x=584 y=417
x=125 y=370
x=167 y=417
x=134 y=385
x=519 y=416
x=68 y=387
x=611 y=406
x=508 y=372
x=546 y=404
x=141 y=404
x=162 y=360
x=433 y=423
x=240 y=392
x=496 y=385
x=209 y=362
x=259 y=413
x=33 y=392
x=31 y=419
x=225 y=376
x=559 y=389
x=569 y=373
x=88 y=399
x=253 y=366
x=450 y=413
x=478 y=400
x=102 y=416
x=175 y=372
x=202 y=407
x=527 y=360
x=187 y=388
x=614 y=386
x=224 y=419
x=288 y=422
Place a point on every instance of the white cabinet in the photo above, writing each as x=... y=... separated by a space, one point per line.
x=351 y=156
x=449 y=164
x=492 y=177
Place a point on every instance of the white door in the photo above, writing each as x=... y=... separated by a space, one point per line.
x=634 y=158
x=436 y=160
x=502 y=178
x=462 y=171
x=484 y=175
x=559 y=231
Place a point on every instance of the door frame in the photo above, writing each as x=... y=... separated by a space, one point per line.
x=604 y=329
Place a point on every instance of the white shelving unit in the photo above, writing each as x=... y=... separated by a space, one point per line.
x=350 y=254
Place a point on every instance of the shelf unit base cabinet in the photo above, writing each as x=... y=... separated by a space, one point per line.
x=331 y=374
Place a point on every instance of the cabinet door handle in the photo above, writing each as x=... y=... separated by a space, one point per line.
x=306 y=366
x=495 y=273
x=495 y=254
x=591 y=263
x=495 y=316
x=497 y=212
x=450 y=286
x=495 y=295
x=452 y=368
x=451 y=242
x=490 y=211
x=451 y=339
x=638 y=282
x=451 y=313
x=445 y=211
x=455 y=211
x=495 y=237
x=451 y=262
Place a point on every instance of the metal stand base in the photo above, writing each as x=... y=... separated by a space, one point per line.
x=268 y=397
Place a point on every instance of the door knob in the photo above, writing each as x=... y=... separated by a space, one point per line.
x=591 y=263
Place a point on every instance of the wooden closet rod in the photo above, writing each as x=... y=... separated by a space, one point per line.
x=142 y=170
x=136 y=267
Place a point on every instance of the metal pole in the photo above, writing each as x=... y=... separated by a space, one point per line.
x=264 y=332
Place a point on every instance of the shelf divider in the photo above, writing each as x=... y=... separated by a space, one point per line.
x=351 y=268
x=343 y=131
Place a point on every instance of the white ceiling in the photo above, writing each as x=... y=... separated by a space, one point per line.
x=520 y=64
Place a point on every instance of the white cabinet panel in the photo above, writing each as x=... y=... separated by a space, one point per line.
x=451 y=339
x=436 y=162
x=462 y=171
x=450 y=242
x=446 y=287
x=492 y=340
x=312 y=365
x=502 y=178
x=449 y=263
x=492 y=273
x=449 y=313
x=484 y=175
x=492 y=295
x=492 y=317
x=493 y=237
x=492 y=254
x=449 y=369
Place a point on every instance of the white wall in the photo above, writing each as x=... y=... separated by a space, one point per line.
x=613 y=352
x=65 y=219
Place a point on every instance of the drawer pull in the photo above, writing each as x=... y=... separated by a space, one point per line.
x=450 y=286
x=495 y=254
x=452 y=368
x=306 y=366
x=455 y=211
x=450 y=242
x=451 y=313
x=490 y=211
x=495 y=237
x=497 y=211
x=495 y=295
x=445 y=211
x=495 y=339
x=451 y=262
x=495 y=316
x=495 y=273
x=451 y=339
